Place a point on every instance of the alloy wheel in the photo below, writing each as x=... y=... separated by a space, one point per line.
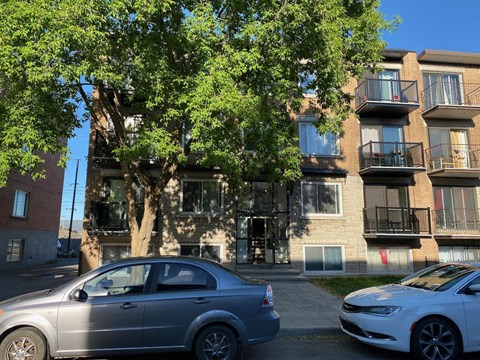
x=217 y=346
x=437 y=341
x=21 y=348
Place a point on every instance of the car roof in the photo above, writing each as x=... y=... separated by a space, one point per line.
x=474 y=263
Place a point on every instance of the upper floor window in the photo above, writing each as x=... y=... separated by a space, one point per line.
x=306 y=83
x=201 y=196
x=321 y=198
x=20 y=203
x=313 y=143
x=442 y=88
x=383 y=86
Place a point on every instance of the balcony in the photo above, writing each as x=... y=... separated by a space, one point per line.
x=383 y=158
x=451 y=100
x=396 y=222
x=456 y=222
x=111 y=217
x=386 y=98
x=457 y=160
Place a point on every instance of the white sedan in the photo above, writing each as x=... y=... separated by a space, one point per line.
x=431 y=313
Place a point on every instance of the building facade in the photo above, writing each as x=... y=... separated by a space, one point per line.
x=395 y=191
x=30 y=217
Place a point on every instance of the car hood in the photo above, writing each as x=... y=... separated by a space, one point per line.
x=26 y=297
x=387 y=294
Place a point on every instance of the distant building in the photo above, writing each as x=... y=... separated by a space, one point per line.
x=397 y=190
x=30 y=216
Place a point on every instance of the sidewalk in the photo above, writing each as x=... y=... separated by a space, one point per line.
x=304 y=309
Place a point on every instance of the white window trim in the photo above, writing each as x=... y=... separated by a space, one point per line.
x=201 y=245
x=322 y=215
x=222 y=189
x=25 y=209
x=342 y=247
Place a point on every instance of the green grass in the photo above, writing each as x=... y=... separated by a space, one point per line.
x=341 y=286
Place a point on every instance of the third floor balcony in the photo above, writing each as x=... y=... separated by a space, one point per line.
x=386 y=97
x=451 y=100
x=453 y=160
x=379 y=158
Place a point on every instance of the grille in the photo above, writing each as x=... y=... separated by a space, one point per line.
x=349 y=308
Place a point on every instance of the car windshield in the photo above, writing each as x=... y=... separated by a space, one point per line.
x=438 y=278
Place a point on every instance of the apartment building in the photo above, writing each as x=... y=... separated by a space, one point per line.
x=395 y=191
x=30 y=217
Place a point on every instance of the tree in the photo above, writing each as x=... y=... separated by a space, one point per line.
x=222 y=73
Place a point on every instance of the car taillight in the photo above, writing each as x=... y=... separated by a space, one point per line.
x=268 y=298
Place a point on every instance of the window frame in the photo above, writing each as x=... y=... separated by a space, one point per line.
x=17 y=203
x=324 y=246
x=201 y=246
x=202 y=213
x=339 y=197
x=332 y=139
x=10 y=246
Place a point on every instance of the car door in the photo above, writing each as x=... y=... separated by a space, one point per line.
x=111 y=317
x=181 y=293
x=471 y=305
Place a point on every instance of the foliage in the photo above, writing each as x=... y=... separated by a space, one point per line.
x=342 y=286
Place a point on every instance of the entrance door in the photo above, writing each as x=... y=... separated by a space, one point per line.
x=261 y=245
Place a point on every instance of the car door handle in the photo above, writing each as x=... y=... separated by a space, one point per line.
x=128 y=306
x=201 y=301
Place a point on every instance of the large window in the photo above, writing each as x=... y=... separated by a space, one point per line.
x=20 y=204
x=389 y=258
x=458 y=253
x=201 y=196
x=321 y=198
x=312 y=143
x=455 y=208
x=15 y=249
x=212 y=252
x=323 y=258
x=442 y=88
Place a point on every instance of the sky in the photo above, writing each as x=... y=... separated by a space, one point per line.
x=426 y=24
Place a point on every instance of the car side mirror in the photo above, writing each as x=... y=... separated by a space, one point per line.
x=79 y=295
x=472 y=289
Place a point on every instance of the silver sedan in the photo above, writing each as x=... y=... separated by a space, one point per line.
x=141 y=305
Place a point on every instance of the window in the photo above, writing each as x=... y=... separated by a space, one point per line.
x=323 y=258
x=455 y=208
x=384 y=258
x=450 y=148
x=201 y=196
x=177 y=276
x=15 y=249
x=20 y=204
x=442 y=88
x=458 y=253
x=383 y=86
x=212 y=252
x=321 y=198
x=120 y=281
x=112 y=252
x=307 y=83
x=312 y=143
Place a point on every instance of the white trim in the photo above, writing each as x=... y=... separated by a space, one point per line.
x=390 y=66
x=342 y=248
x=323 y=215
x=441 y=68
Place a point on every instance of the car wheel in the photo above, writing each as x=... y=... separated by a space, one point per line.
x=216 y=343
x=435 y=339
x=25 y=343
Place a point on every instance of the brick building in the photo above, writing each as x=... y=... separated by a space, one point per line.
x=30 y=217
x=395 y=191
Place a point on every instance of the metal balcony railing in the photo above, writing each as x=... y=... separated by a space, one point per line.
x=450 y=93
x=453 y=156
x=395 y=91
x=112 y=216
x=456 y=220
x=391 y=154
x=397 y=220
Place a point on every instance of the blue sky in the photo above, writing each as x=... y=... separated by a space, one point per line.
x=427 y=24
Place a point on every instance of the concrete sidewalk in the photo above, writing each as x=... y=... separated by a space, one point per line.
x=304 y=309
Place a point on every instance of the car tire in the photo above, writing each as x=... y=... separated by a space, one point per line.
x=435 y=338
x=216 y=343
x=24 y=343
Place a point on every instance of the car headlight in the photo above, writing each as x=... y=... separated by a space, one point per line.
x=381 y=310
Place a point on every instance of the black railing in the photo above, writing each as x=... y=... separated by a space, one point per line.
x=396 y=91
x=456 y=220
x=450 y=93
x=454 y=156
x=397 y=220
x=391 y=154
x=112 y=216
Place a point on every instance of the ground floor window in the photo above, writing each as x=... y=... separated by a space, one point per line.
x=458 y=253
x=112 y=252
x=389 y=258
x=319 y=258
x=15 y=249
x=212 y=252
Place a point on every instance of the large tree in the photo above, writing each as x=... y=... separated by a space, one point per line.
x=223 y=74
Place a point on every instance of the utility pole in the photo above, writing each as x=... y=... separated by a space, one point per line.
x=73 y=209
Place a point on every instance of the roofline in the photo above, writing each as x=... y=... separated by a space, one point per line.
x=449 y=57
